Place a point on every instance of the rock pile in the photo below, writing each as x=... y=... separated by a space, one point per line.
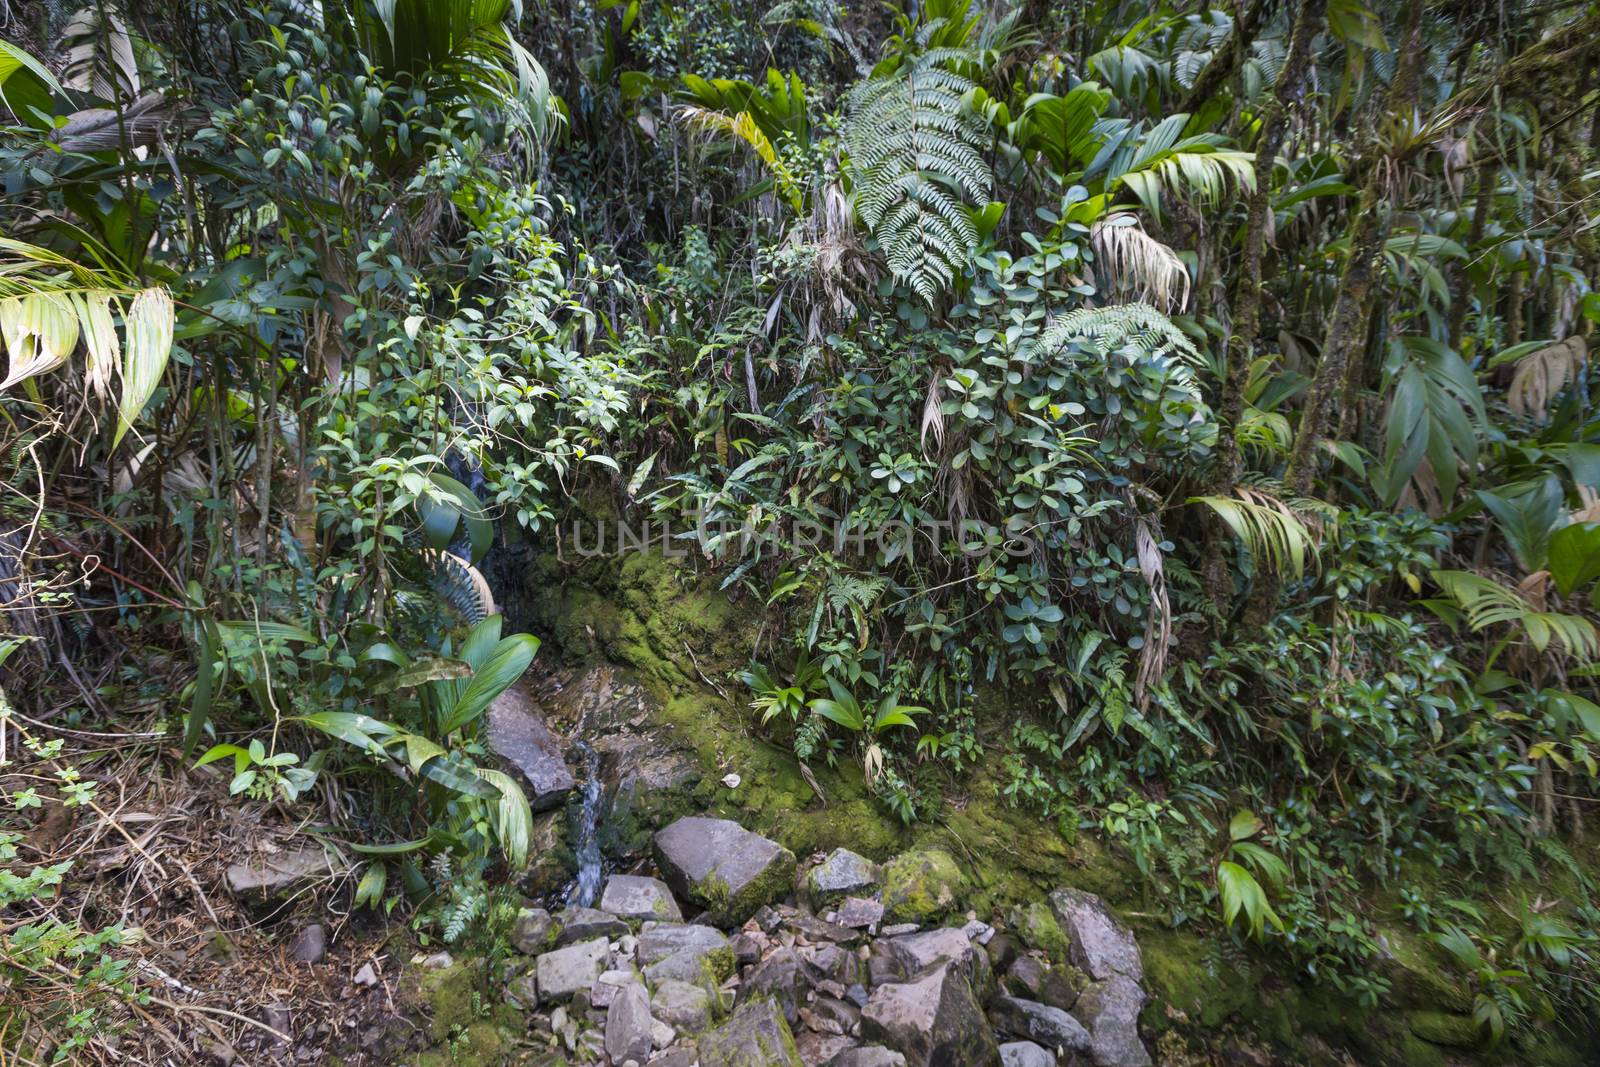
x=804 y=972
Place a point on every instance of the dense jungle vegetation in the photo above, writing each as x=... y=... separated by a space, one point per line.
x=1174 y=415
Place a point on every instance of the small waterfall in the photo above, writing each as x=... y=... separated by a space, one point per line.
x=586 y=837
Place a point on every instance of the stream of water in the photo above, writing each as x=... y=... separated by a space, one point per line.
x=586 y=837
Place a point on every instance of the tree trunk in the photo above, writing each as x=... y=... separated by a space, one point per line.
x=1369 y=228
x=1246 y=302
x=1488 y=178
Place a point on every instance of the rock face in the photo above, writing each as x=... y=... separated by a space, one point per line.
x=567 y=970
x=518 y=735
x=282 y=873
x=723 y=867
x=628 y=1025
x=919 y=952
x=586 y=924
x=632 y=897
x=780 y=978
x=1098 y=943
x=842 y=874
x=920 y=886
x=756 y=1036
x=1109 y=1010
x=684 y=952
x=934 y=1021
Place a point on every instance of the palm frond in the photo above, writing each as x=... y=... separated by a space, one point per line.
x=1276 y=535
x=1126 y=255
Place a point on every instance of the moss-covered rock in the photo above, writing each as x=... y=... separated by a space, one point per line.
x=1446 y=1028
x=921 y=886
x=1036 y=924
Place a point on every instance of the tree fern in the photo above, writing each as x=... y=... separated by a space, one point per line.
x=1107 y=329
x=916 y=164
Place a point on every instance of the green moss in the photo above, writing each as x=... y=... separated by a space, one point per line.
x=1037 y=926
x=1419 y=974
x=719 y=964
x=921 y=886
x=1446 y=1028
x=462 y=1034
x=1190 y=984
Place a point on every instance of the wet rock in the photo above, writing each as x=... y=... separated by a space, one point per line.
x=781 y=978
x=859 y=913
x=756 y=1036
x=586 y=924
x=550 y=862
x=682 y=1004
x=919 y=952
x=933 y=1020
x=533 y=931
x=1099 y=943
x=634 y=897
x=518 y=735
x=816 y=1049
x=920 y=886
x=723 y=867
x=1049 y=1026
x=282 y=873
x=1032 y=979
x=567 y=970
x=311 y=946
x=628 y=1025
x=1025 y=1054
x=843 y=873
x=868 y=1056
x=1109 y=1010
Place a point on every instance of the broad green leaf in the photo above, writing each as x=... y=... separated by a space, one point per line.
x=1245 y=824
x=1574 y=559
x=455 y=772
x=499 y=672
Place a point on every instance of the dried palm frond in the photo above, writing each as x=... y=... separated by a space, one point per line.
x=932 y=415
x=1542 y=374
x=1158 y=626
x=1126 y=255
x=1590 y=510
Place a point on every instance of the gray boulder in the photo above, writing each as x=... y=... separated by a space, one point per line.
x=859 y=913
x=1109 y=1010
x=868 y=1056
x=781 y=978
x=586 y=924
x=933 y=1020
x=518 y=735
x=633 y=897
x=1049 y=1026
x=682 y=1005
x=843 y=873
x=686 y=952
x=919 y=952
x=723 y=867
x=1098 y=943
x=628 y=1025
x=756 y=1036
x=1025 y=1054
x=817 y=1048
x=567 y=970
x=533 y=931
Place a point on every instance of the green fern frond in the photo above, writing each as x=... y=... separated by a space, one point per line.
x=916 y=161
x=1106 y=330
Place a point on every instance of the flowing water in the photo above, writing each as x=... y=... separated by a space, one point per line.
x=586 y=836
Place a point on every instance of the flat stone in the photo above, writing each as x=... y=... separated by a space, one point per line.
x=311 y=946
x=1098 y=943
x=1109 y=1010
x=756 y=1036
x=518 y=735
x=843 y=873
x=532 y=931
x=978 y=932
x=900 y=929
x=283 y=872
x=829 y=1015
x=661 y=940
x=816 y=1049
x=662 y=1034
x=858 y=913
x=631 y=896
x=567 y=970
x=586 y=924
x=748 y=948
x=610 y=985
x=628 y=1025
x=723 y=867
x=834 y=963
x=934 y=1020
x=679 y=1055
x=1033 y=1021
x=682 y=1004
x=868 y=1056
x=919 y=952
x=1025 y=1054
